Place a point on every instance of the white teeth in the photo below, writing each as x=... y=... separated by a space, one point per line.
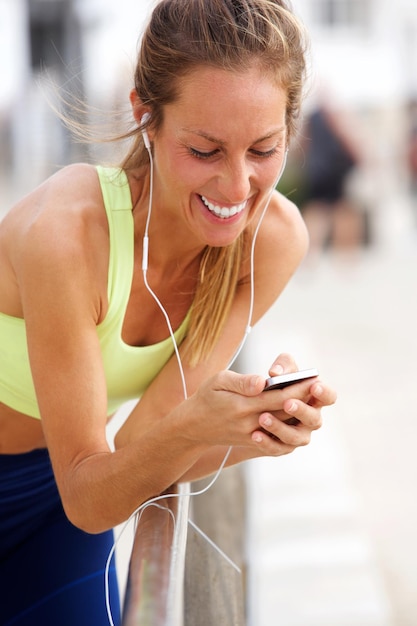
x=223 y=212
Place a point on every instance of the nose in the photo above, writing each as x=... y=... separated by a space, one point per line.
x=234 y=181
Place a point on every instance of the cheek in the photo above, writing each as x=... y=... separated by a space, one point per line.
x=170 y=175
x=185 y=171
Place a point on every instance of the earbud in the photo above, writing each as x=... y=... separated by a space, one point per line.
x=144 y=120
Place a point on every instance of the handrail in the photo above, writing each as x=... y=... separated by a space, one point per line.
x=154 y=591
x=175 y=600
x=177 y=576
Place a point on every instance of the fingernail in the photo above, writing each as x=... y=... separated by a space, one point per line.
x=277 y=370
x=293 y=407
x=257 y=437
x=318 y=390
x=266 y=421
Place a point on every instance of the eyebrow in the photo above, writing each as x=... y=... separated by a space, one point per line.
x=212 y=139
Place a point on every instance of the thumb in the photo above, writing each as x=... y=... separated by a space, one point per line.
x=243 y=384
x=283 y=364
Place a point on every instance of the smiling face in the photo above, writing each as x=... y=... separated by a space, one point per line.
x=218 y=153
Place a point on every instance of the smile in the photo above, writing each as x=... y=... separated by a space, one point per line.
x=224 y=212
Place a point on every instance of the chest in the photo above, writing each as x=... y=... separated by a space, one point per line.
x=146 y=320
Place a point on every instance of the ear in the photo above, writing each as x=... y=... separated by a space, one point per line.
x=138 y=108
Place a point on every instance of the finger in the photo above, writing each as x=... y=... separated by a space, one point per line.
x=283 y=364
x=302 y=413
x=322 y=395
x=269 y=445
x=288 y=434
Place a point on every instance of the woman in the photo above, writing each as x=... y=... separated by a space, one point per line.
x=216 y=97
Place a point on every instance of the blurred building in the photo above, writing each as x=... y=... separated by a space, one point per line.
x=366 y=48
x=56 y=52
x=42 y=40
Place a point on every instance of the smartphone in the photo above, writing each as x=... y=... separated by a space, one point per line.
x=279 y=382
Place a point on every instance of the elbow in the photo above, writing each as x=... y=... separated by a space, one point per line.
x=86 y=495
x=89 y=522
x=87 y=514
x=93 y=518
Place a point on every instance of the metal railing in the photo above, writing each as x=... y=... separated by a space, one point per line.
x=185 y=567
x=156 y=571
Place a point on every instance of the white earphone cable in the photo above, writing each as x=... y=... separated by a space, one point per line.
x=153 y=501
x=145 y=260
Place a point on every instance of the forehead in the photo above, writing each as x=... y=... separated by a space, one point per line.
x=251 y=91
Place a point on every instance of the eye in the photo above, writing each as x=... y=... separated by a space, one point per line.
x=199 y=154
x=263 y=154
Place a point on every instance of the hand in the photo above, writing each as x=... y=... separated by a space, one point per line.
x=231 y=409
x=298 y=415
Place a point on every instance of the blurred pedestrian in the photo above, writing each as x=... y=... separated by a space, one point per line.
x=332 y=153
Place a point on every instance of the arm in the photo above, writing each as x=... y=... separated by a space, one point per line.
x=62 y=291
x=62 y=304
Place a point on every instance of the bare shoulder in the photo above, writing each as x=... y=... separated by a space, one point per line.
x=281 y=245
x=60 y=212
x=73 y=190
x=58 y=232
x=283 y=236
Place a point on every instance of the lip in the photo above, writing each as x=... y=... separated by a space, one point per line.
x=221 y=211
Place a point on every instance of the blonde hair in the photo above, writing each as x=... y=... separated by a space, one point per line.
x=229 y=34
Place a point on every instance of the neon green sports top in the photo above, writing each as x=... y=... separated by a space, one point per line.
x=129 y=370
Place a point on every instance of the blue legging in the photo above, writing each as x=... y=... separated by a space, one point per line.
x=51 y=573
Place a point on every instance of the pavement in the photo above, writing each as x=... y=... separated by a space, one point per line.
x=332 y=527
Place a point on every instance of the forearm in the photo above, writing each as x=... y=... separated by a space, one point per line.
x=210 y=461
x=103 y=489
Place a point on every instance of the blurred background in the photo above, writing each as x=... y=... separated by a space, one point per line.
x=331 y=528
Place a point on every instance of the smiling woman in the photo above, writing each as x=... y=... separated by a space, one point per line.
x=234 y=137
x=150 y=279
